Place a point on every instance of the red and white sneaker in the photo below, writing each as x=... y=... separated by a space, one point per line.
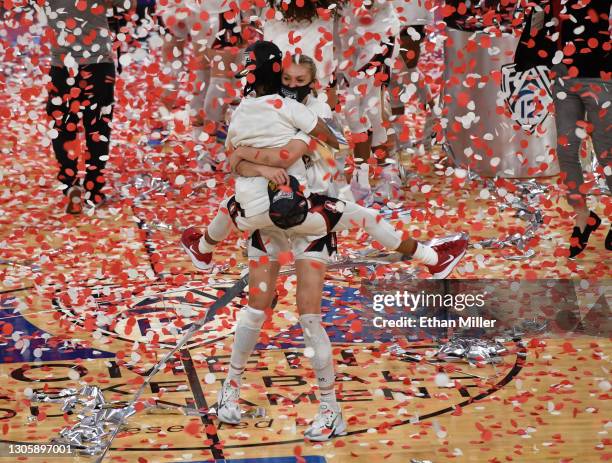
x=450 y=251
x=189 y=241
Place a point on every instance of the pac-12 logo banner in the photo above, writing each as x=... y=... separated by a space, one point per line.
x=527 y=94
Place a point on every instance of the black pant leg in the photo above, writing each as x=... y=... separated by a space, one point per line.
x=97 y=99
x=65 y=123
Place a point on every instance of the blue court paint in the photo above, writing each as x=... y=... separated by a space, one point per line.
x=51 y=351
x=340 y=304
x=307 y=459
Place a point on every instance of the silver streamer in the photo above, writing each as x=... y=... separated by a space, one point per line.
x=96 y=417
x=529 y=327
x=151 y=185
x=599 y=178
x=160 y=225
x=526 y=202
x=474 y=350
x=414 y=460
x=146 y=184
x=399 y=351
x=405 y=354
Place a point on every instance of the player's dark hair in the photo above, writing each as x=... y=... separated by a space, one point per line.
x=268 y=87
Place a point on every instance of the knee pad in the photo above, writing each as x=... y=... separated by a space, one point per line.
x=250 y=318
x=247 y=333
x=316 y=339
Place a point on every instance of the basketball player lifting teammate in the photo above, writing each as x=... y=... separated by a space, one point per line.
x=250 y=208
x=264 y=65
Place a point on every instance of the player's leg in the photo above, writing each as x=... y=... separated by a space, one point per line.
x=364 y=114
x=225 y=39
x=312 y=257
x=65 y=122
x=97 y=117
x=440 y=259
x=203 y=38
x=411 y=39
x=175 y=34
x=199 y=246
x=219 y=95
x=264 y=248
x=338 y=215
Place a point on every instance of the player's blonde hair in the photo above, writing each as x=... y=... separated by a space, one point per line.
x=308 y=62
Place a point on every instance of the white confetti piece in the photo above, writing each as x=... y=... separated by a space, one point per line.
x=442 y=380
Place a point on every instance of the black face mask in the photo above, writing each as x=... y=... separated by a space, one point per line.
x=295 y=93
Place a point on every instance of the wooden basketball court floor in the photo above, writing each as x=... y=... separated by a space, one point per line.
x=98 y=299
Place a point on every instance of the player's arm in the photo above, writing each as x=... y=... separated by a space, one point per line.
x=274 y=174
x=322 y=132
x=283 y=156
x=247 y=168
x=304 y=119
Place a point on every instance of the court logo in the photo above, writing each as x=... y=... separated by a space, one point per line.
x=160 y=318
x=527 y=95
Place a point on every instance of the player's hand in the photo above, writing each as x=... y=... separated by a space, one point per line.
x=275 y=174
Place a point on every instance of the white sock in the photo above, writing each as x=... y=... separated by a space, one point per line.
x=329 y=397
x=245 y=339
x=426 y=254
x=204 y=246
x=318 y=349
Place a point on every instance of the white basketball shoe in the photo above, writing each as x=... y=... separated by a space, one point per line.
x=327 y=424
x=228 y=408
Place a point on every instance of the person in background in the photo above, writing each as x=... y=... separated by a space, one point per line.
x=204 y=24
x=414 y=15
x=305 y=30
x=368 y=33
x=572 y=38
x=81 y=89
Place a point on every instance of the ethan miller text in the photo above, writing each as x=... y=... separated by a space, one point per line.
x=434 y=322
